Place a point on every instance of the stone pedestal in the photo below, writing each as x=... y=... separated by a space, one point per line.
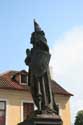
x=47 y=119
x=43 y=119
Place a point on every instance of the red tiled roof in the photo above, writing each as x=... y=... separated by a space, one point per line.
x=57 y=89
x=6 y=82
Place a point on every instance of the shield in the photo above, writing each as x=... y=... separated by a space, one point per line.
x=39 y=62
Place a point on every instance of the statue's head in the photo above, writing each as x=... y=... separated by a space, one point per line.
x=38 y=37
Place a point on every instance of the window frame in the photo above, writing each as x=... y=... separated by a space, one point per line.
x=22 y=102
x=31 y=108
x=7 y=107
x=20 y=77
x=4 y=110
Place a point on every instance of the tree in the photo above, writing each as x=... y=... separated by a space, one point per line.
x=79 y=118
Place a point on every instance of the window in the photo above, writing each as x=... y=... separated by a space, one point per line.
x=27 y=109
x=2 y=112
x=24 y=79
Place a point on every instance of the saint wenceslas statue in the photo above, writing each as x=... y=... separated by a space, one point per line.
x=38 y=79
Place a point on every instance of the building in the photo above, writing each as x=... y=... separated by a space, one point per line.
x=16 y=101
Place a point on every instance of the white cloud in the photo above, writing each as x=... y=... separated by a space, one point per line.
x=67 y=64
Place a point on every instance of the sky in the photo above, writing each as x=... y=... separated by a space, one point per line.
x=62 y=22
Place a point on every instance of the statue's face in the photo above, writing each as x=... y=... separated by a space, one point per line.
x=38 y=40
x=38 y=37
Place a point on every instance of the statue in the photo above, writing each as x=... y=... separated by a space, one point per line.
x=39 y=81
x=38 y=61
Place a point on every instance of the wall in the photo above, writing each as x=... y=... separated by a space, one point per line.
x=14 y=105
x=64 y=105
x=14 y=101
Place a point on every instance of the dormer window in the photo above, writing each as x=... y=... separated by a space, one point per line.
x=23 y=79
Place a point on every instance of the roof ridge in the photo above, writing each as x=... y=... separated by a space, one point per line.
x=9 y=71
x=61 y=87
x=6 y=72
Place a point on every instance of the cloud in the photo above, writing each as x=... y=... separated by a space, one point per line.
x=67 y=65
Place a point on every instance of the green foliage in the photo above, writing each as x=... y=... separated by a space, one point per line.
x=79 y=118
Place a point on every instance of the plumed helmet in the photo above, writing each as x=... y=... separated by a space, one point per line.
x=36 y=26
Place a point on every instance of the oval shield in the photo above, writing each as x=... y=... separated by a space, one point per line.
x=39 y=62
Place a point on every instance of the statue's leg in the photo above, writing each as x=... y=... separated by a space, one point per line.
x=48 y=90
x=36 y=92
x=43 y=90
x=39 y=97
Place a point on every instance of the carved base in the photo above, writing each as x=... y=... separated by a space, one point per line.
x=47 y=119
x=43 y=119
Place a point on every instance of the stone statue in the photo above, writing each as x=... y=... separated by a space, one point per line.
x=38 y=61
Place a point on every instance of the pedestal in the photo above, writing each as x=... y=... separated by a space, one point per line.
x=47 y=119
x=43 y=119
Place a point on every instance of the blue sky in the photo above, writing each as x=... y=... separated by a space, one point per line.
x=62 y=21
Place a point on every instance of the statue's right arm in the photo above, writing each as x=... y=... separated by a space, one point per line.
x=28 y=58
